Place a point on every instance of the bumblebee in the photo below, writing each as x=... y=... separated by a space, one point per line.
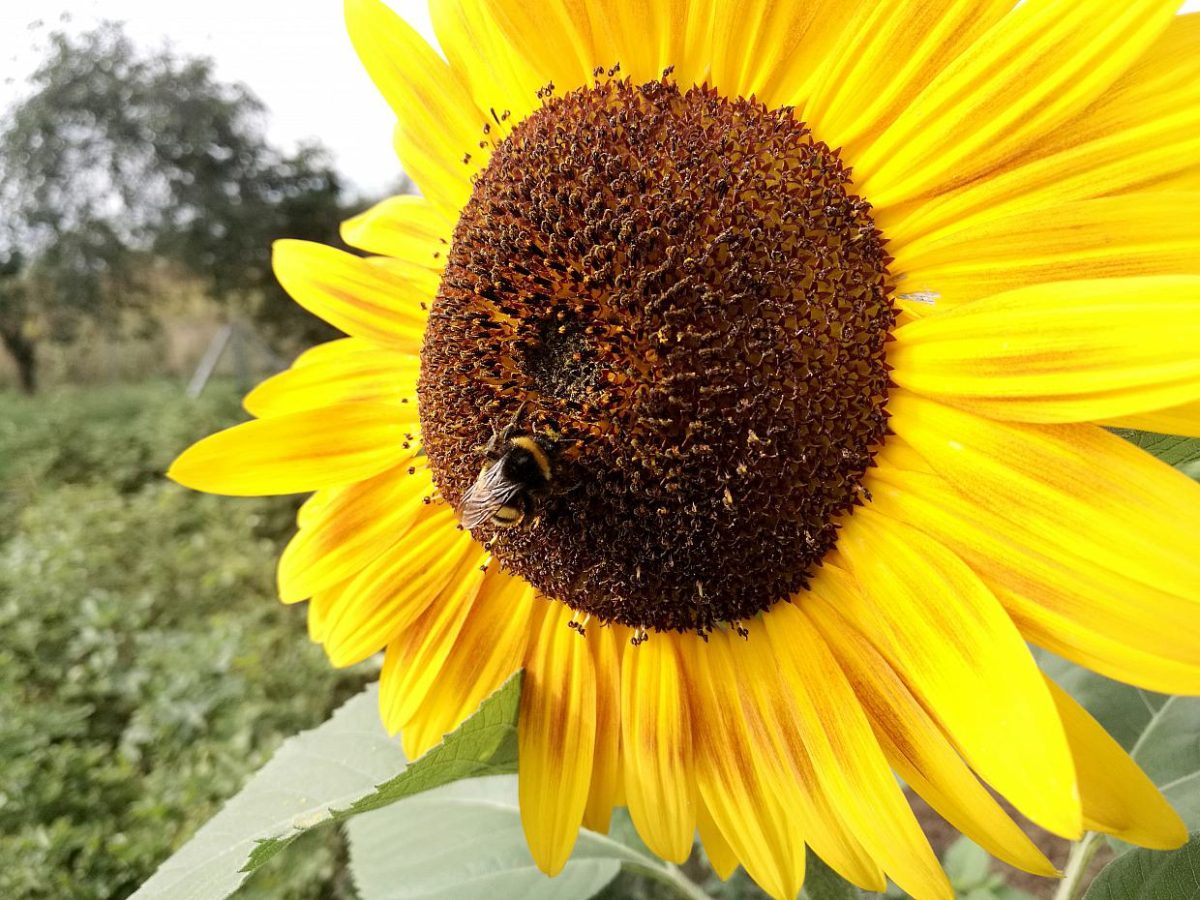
x=514 y=478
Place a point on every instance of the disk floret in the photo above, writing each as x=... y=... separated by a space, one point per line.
x=692 y=307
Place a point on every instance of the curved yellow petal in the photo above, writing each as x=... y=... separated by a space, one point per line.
x=914 y=744
x=720 y=855
x=350 y=293
x=556 y=739
x=1151 y=233
x=296 y=453
x=406 y=227
x=1182 y=420
x=370 y=375
x=438 y=121
x=773 y=49
x=319 y=608
x=307 y=513
x=847 y=757
x=1094 y=616
x=957 y=650
x=606 y=646
x=648 y=36
x=746 y=814
x=349 y=531
x=1037 y=67
x=556 y=40
x=388 y=595
x=877 y=70
x=497 y=73
x=786 y=766
x=1075 y=487
x=488 y=649
x=656 y=747
x=1163 y=80
x=1141 y=135
x=1062 y=352
x=414 y=660
x=1118 y=798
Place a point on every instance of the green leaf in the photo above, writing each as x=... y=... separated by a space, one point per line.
x=485 y=744
x=1150 y=875
x=1158 y=731
x=326 y=774
x=823 y=883
x=465 y=841
x=967 y=864
x=1181 y=452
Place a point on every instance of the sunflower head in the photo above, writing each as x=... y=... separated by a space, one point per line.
x=831 y=487
x=683 y=290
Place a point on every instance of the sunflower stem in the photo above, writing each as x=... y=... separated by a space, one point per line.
x=1072 y=885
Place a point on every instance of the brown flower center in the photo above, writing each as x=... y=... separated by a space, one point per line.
x=676 y=296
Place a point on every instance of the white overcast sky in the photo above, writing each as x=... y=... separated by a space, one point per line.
x=293 y=54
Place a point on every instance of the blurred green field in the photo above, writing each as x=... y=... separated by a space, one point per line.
x=145 y=667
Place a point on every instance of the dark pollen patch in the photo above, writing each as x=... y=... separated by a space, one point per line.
x=681 y=289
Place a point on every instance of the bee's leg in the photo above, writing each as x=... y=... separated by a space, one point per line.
x=492 y=448
x=512 y=428
x=560 y=489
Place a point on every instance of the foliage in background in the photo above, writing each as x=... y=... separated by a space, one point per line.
x=146 y=668
x=117 y=161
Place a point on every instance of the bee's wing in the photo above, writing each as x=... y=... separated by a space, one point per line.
x=489 y=493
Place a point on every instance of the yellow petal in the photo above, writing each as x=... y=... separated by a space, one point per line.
x=648 y=36
x=847 y=756
x=1118 y=798
x=1094 y=616
x=296 y=453
x=886 y=60
x=438 y=120
x=307 y=513
x=720 y=855
x=1076 y=487
x=1037 y=67
x=349 y=531
x=1162 y=80
x=497 y=74
x=787 y=768
x=773 y=49
x=656 y=747
x=1110 y=237
x=914 y=744
x=555 y=39
x=957 y=650
x=488 y=649
x=1183 y=419
x=350 y=293
x=750 y=819
x=405 y=227
x=606 y=647
x=557 y=738
x=370 y=375
x=1061 y=352
x=388 y=595
x=319 y=609
x=1143 y=134
x=414 y=660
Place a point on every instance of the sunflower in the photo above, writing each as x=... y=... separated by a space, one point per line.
x=772 y=346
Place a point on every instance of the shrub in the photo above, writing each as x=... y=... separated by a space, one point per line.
x=146 y=667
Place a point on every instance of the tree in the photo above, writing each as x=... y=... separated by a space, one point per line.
x=115 y=155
